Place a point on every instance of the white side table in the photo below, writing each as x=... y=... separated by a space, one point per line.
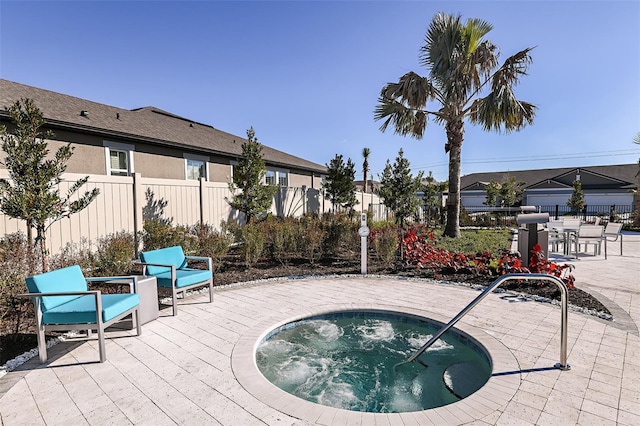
x=147 y=288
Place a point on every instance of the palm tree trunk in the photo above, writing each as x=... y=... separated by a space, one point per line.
x=364 y=187
x=455 y=136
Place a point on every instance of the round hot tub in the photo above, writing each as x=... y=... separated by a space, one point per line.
x=355 y=360
x=466 y=400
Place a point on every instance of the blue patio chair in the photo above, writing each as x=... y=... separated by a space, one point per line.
x=169 y=266
x=63 y=301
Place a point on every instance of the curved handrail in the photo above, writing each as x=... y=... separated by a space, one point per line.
x=562 y=365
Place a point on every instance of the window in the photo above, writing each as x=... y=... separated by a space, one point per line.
x=277 y=177
x=195 y=169
x=119 y=158
x=270 y=177
x=119 y=163
x=283 y=178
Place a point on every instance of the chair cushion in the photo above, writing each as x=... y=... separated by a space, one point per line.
x=82 y=310
x=165 y=256
x=184 y=277
x=66 y=279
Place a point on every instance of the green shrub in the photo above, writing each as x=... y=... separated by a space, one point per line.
x=114 y=254
x=75 y=254
x=158 y=233
x=340 y=236
x=310 y=238
x=253 y=243
x=211 y=243
x=15 y=256
x=385 y=243
x=282 y=236
x=476 y=241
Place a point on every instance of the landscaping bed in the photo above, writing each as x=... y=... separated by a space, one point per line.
x=233 y=271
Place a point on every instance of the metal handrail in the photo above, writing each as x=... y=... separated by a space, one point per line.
x=562 y=365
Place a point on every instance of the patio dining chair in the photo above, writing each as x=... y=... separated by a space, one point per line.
x=589 y=235
x=556 y=234
x=571 y=222
x=612 y=232
x=63 y=301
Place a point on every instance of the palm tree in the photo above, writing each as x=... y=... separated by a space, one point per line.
x=461 y=65
x=365 y=166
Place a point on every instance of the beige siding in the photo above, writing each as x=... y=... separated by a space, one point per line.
x=219 y=172
x=159 y=166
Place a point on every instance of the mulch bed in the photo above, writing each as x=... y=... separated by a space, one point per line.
x=233 y=271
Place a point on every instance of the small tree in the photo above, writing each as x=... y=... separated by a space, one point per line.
x=432 y=191
x=338 y=186
x=492 y=191
x=505 y=194
x=399 y=188
x=511 y=192
x=255 y=197
x=576 y=202
x=31 y=193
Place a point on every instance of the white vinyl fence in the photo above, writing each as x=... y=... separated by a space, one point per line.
x=125 y=201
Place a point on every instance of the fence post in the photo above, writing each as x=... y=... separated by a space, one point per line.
x=304 y=200
x=138 y=220
x=584 y=213
x=201 y=200
x=557 y=209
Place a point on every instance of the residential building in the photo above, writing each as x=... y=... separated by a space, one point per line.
x=114 y=141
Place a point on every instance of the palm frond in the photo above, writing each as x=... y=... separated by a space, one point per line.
x=474 y=31
x=501 y=111
x=442 y=44
x=412 y=90
x=513 y=68
x=405 y=121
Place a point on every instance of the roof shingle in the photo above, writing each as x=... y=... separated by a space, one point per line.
x=148 y=124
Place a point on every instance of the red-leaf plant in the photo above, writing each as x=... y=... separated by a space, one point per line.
x=422 y=253
x=510 y=262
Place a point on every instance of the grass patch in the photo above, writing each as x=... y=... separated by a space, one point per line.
x=473 y=241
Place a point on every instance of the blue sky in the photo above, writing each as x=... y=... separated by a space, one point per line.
x=306 y=74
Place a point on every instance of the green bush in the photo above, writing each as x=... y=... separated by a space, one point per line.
x=158 y=233
x=310 y=237
x=114 y=254
x=211 y=243
x=15 y=256
x=385 y=243
x=340 y=236
x=253 y=243
x=282 y=236
x=75 y=254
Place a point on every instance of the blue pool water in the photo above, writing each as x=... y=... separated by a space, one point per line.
x=350 y=360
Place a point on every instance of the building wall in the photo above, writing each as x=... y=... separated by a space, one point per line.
x=89 y=157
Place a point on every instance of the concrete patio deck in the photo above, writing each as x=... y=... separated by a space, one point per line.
x=193 y=368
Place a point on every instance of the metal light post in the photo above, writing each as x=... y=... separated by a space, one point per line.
x=363 y=231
